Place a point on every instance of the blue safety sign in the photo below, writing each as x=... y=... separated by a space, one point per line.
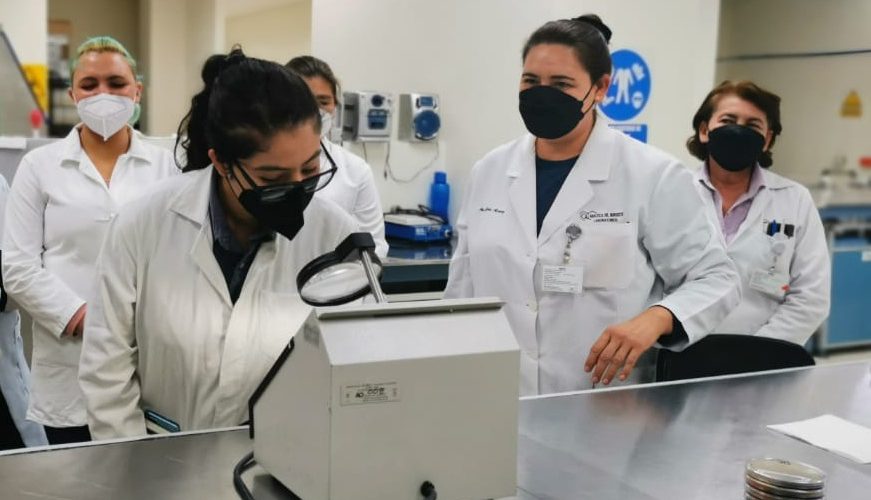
x=630 y=86
x=637 y=131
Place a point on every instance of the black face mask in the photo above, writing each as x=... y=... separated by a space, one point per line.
x=280 y=207
x=735 y=147
x=550 y=113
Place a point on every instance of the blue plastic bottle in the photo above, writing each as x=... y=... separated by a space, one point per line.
x=439 y=195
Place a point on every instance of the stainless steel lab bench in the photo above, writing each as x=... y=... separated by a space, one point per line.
x=684 y=440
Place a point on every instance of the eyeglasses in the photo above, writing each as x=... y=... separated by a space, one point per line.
x=310 y=184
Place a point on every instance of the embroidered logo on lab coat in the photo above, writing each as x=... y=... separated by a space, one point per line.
x=598 y=216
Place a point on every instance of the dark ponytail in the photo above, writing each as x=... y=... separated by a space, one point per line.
x=587 y=35
x=244 y=102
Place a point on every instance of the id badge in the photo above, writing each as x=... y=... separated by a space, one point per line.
x=562 y=279
x=772 y=284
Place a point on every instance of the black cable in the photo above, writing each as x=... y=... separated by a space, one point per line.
x=421 y=210
x=246 y=463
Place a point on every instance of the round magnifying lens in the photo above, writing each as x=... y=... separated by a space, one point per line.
x=343 y=281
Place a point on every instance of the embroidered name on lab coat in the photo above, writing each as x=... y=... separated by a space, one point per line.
x=600 y=216
x=489 y=209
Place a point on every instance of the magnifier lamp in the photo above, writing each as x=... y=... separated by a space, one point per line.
x=347 y=273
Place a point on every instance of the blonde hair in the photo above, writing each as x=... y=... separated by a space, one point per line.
x=101 y=44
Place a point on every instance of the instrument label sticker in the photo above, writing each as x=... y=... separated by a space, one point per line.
x=361 y=394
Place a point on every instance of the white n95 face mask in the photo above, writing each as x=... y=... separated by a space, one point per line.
x=105 y=114
x=326 y=124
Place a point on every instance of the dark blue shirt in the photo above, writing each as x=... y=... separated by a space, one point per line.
x=549 y=178
x=233 y=259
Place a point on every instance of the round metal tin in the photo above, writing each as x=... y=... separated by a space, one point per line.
x=783 y=491
x=786 y=473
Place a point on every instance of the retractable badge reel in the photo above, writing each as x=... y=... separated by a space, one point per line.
x=770 y=281
x=567 y=278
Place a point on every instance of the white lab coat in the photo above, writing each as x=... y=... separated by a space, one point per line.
x=14 y=372
x=58 y=211
x=353 y=189
x=645 y=240
x=163 y=334
x=805 y=261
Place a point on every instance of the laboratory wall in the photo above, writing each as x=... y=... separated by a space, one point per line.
x=469 y=53
x=181 y=35
x=87 y=18
x=813 y=88
x=23 y=23
x=275 y=33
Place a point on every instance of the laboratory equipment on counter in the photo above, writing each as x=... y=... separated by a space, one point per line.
x=419 y=119
x=348 y=273
x=419 y=225
x=848 y=231
x=389 y=400
x=366 y=116
x=843 y=197
x=414 y=227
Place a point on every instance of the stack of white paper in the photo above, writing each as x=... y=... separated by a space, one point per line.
x=832 y=433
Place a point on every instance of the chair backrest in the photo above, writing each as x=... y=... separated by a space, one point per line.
x=722 y=354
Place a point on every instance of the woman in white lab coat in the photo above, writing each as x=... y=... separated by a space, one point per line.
x=769 y=224
x=353 y=187
x=63 y=197
x=196 y=286
x=14 y=372
x=597 y=243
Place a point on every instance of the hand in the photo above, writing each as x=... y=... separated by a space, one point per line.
x=622 y=344
x=76 y=327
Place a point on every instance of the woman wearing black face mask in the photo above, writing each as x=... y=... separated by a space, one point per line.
x=196 y=285
x=769 y=224
x=596 y=242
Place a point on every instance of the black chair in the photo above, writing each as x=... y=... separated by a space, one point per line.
x=722 y=354
x=10 y=439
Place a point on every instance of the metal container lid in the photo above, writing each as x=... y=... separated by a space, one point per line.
x=786 y=473
x=782 y=491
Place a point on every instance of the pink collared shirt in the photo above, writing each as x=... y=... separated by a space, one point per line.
x=734 y=217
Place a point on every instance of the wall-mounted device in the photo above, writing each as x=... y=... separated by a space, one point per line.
x=366 y=116
x=419 y=119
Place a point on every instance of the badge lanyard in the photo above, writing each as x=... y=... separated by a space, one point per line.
x=565 y=278
x=770 y=281
x=779 y=233
x=777 y=249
